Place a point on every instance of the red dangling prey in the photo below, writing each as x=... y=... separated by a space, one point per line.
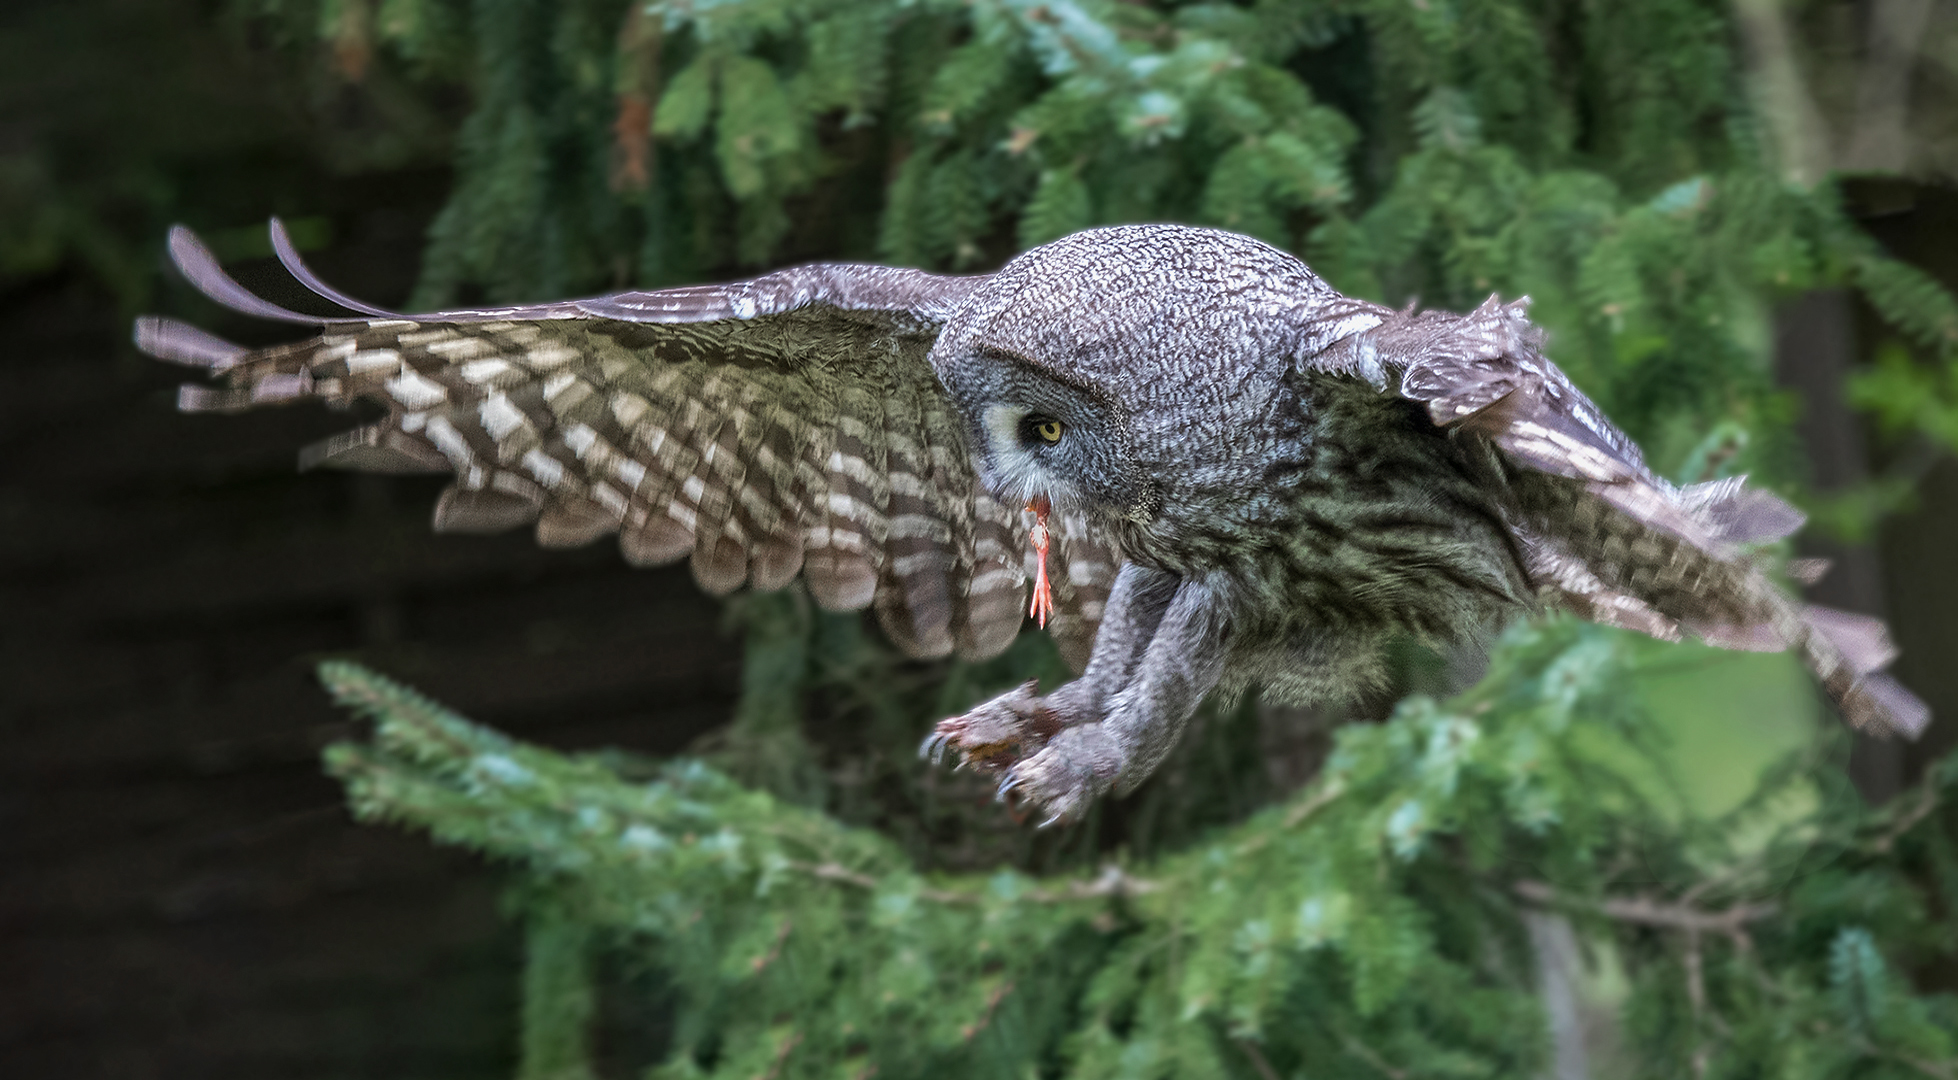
x=1043 y=589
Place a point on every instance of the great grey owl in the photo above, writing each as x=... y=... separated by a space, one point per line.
x=1246 y=476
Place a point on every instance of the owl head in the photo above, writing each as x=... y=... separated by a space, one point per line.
x=1106 y=368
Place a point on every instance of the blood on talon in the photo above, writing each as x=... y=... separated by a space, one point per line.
x=1043 y=589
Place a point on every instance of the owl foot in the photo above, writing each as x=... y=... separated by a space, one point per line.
x=1067 y=774
x=996 y=734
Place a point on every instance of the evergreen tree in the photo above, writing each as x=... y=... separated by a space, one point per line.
x=809 y=900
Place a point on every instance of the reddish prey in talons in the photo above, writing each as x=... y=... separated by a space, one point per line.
x=999 y=733
x=1043 y=590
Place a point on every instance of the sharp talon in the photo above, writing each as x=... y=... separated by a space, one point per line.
x=936 y=744
x=1006 y=786
x=1055 y=819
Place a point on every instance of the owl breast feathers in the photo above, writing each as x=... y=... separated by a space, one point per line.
x=1246 y=476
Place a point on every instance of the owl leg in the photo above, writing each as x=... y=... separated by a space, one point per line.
x=1010 y=727
x=1142 y=721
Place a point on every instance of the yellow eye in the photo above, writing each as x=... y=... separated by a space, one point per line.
x=1048 y=431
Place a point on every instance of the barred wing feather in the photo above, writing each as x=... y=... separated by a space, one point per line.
x=785 y=425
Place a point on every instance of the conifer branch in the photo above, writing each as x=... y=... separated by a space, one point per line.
x=782 y=1053
x=846 y=876
x=1372 y=1057
x=1937 y=1070
x=1257 y=1058
x=1694 y=964
x=1111 y=882
x=993 y=998
x=1327 y=792
x=1729 y=922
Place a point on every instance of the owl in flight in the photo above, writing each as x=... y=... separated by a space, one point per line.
x=1215 y=469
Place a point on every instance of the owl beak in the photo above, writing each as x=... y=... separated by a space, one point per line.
x=1043 y=590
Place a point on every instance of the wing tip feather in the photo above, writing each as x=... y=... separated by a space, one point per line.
x=1740 y=514
x=288 y=254
x=376 y=448
x=658 y=542
x=1852 y=652
x=719 y=565
x=777 y=564
x=1863 y=640
x=574 y=524
x=199 y=266
x=839 y=583
x=481 y=511
x=192 y=398
x=181 y=343
x=1879 y=703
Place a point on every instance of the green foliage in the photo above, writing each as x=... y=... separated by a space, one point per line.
x=1599 y=158
x=558 y=997
x=1369 y=924
x=818 y=903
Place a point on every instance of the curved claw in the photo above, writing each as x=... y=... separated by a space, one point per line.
x=1011 y=783
x=995 y=735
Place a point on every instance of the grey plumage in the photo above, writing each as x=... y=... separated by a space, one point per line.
x=1253 y=478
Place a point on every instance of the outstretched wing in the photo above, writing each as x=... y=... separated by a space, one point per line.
x=782 y=425
x=1603 y=535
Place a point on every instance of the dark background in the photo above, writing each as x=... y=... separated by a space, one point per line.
x=183 y=893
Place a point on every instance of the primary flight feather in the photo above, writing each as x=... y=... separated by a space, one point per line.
x=1218 y=470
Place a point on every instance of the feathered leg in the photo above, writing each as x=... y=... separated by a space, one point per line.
x=1160 y=650
x=1003 y=731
